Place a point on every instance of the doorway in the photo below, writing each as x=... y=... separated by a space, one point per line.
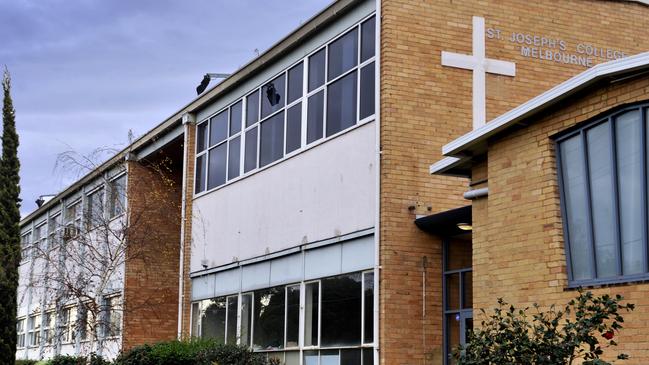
x=457 y=293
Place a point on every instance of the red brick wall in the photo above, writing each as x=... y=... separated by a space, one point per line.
x=152 y=264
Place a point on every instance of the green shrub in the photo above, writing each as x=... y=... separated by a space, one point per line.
x=26 y=362
x=194 y=352
x=78 y=360
x=551 y=337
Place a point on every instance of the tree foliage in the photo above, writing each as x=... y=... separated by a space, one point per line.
x=9 y=226
x=580 y=332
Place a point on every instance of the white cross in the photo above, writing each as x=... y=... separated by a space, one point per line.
x=480 y=66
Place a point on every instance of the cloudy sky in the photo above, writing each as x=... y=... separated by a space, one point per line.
x=84 y=72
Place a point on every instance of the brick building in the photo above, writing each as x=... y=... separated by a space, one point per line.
x=311 y=228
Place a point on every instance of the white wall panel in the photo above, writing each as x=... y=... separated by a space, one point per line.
x=324 y=192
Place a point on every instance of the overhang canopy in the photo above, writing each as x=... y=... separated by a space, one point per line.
x=445 y=223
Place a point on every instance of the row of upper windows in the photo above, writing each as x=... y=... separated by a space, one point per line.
x=603 y=178
x=72 y=323
x=323 y=94
x=66 y=225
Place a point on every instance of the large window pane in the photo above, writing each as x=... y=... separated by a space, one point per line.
x=317 y=69
x=294 y=128
x=311 y=306
x=341 y=311
x=311 y=358
x=200 y=173
x=350 y=357
x=341 y=104
x=272 y=96
x=452 y=291
x=252 y=108
x=368 y=30
x=629 y=174
x=213 y=319
x=602 y=203
x=250 y=158
x=295 y=84
x=235 y=118
x=268 y=332
x=234 y=157
x=467 y=290
x=343 y=54
x=458 y=255
x=452 y=335
x=246 y=319
x=196 y=319
x=233 y=303
x=201 y=137
x=368 y=315
x=272 y=139
x=216 y=170
x=292 y=315
x=315 y=114
x=329 y=357
x=219 y=128
x=574 y=186
x=367 y=91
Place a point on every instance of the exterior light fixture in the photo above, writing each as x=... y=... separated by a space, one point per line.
x=465 y=226
x=206 y=81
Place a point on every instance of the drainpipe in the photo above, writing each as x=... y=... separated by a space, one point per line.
x=187 y=120
x=377 y=164
x=476 y=193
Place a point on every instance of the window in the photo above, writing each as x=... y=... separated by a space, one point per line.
x=268 y=319
x=337 y=312
x=602 y=170
x=218 y=157
x=111 y=317
x=117 y=196
x=25 y=245
x=54 y=228
x=329 y=91
x=34 y=331
x=39 y=245
x=72 y=216
x=457 y=294
x=95 y=208
x=48 y=327
x=20 y=331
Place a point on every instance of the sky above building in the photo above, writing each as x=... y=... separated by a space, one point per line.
x=85 y=72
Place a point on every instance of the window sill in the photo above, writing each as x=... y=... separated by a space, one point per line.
x=611 y=282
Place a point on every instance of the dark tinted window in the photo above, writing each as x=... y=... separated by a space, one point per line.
x=250 y=158
x=235 y=118
x=294 y=128
x=341 y=311
x=272 y=96
x=216 y=170
x=232 y=320
x=367 y=39
x=295 y=77
x=367 y=91
x=316 y=69
x=252 y=108
x=219 y=128
x=268 y=319
x=200 y=173
x=201 y=137
x=341 y=104
x=315 y=113
x=368 y=330
x=213 y=320
x=292 y=315
x=234 y=157
x=271 y=139
x=343 y=54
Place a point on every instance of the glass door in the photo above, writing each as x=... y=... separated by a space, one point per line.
x=457 y=294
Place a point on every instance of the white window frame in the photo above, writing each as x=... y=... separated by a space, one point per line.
x=21 y=332
x=303 y=99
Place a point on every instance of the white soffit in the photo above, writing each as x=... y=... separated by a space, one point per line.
x=557 y=93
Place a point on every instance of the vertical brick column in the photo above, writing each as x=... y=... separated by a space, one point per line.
x=190 y=153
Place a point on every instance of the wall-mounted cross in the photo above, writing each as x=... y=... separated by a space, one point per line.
x=480 y=65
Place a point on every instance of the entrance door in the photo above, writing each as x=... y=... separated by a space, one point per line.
x=458 y=294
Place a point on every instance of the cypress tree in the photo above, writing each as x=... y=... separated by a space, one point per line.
x=9 y=226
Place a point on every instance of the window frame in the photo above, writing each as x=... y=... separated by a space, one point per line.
x=112 y=199
x=21 y=332
x=303 y=99
x=580 y=131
